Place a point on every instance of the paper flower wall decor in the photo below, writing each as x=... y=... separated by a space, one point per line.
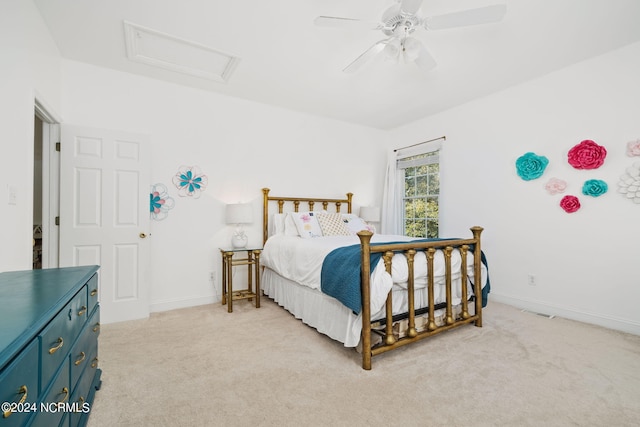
x=629 y=184
x=587 y=155
x=190 y=181
x=633 y=148
x=570 y=204
x=594 y=188
x=160 y=203
x=531 y=166
x=555 y=186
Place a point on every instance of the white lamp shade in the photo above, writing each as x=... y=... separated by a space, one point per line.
x=239 y=213
x=370 y=213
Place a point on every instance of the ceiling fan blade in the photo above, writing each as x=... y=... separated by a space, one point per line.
x=481 y=15
x=336 y=22
x=410 y=7
x=366 y=56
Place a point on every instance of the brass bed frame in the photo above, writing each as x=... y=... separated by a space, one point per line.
x=409 y=249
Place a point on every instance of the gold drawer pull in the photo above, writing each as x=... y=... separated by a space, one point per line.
x=94 y=293
x=96 y=328
x=66 y=394
x=58 y=347
x=80 y=404
x=94 y=363
x=23 y=391
x=82 y=357
x=82 y=310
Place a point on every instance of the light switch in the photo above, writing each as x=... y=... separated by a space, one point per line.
x=12 y=194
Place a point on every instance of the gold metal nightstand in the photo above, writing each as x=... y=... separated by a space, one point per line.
x=252 y=260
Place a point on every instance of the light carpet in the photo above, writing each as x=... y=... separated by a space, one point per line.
x=202 y=366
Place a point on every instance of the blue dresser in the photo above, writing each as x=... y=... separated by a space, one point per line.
x=49 y=327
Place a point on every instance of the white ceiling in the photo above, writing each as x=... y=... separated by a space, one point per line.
x=285 y=60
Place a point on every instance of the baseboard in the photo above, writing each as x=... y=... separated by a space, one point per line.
x=610 y=322
x=173 y=304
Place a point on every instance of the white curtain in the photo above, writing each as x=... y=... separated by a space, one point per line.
x=392 y=209
x=391 y=219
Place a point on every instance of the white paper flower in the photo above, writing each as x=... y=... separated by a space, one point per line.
x=629 y=184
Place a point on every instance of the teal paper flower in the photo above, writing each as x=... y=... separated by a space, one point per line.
x=594 y=188
x=531 y=166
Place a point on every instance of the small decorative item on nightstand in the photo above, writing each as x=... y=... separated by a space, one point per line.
x=252 y=260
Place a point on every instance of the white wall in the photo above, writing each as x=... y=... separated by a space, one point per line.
x=29 y=68
x=241 y=146
x=586 y=263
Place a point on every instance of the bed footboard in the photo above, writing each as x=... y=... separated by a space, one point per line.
x=409 y=249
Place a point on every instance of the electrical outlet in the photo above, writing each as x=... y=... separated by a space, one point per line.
x=212 y=277
x=531 y=279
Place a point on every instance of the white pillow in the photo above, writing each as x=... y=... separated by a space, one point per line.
x=282 y=224
x=332 y=224
x=307 y=223
x=290 y=228
x=355 y=223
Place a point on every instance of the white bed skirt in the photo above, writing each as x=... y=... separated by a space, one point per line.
x=329 y=316
x=318 y=310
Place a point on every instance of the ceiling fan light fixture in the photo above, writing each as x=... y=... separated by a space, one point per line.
x=393 y=49
x=410 y=49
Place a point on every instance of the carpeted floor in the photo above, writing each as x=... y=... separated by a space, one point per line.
x=203 y=366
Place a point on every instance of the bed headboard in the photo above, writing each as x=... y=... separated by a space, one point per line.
x=295 y=202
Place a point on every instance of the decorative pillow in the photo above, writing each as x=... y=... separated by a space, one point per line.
x=307 y=224
x=332 y=224
x=354 y=223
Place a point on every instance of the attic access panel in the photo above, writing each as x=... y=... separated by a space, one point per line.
x=172 y=53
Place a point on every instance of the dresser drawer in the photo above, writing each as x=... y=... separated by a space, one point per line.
x=85 y=349
x=58 y=337
x=19 y=384
x=49 y=413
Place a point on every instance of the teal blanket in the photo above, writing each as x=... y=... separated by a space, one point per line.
x=340 y=274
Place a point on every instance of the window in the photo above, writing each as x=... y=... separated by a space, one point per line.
x=420 y=196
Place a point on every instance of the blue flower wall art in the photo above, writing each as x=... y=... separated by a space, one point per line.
x=160 y=203
x=190 y=181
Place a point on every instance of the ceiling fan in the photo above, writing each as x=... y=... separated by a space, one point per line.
x=400 y=21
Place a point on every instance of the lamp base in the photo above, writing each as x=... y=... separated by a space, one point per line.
x=239 y=241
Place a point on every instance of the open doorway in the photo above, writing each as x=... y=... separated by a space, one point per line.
x=46 y=188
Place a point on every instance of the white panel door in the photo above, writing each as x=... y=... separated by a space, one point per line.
x=104 y=215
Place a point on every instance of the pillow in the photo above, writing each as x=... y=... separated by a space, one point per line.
x=332 y=224
x=306 y=224
x=290 y=228
x=355 y=223
x=277 y=224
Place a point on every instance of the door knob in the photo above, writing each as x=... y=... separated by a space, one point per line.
x=142 y=235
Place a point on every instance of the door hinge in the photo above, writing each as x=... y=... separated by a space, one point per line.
x=57 y=146
x=57 y=220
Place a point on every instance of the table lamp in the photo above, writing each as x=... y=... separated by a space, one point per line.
x=238 y=214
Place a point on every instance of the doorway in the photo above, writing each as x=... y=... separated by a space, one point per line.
x=46 y=188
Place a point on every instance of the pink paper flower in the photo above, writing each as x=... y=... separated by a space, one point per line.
x=587 y=155
x=555 y=186
x=570 y=204
x=633 y=148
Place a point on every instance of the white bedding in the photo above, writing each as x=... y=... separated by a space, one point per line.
x=300 y=260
